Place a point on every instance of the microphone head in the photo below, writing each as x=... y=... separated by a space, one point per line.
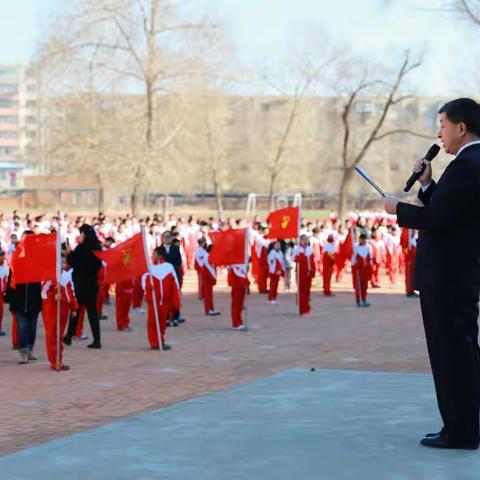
x=432 y=152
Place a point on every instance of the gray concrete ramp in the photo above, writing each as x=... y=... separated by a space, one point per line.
x=298 y=425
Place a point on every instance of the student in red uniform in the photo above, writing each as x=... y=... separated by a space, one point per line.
x=200 y=255
x=410 y=251
x=166 y=295
x=137 y=298
x=302 y=255
x=209 y=280
x=276 y=270
x=239 y=283
x=123 y=302
x=378 y=257
x=68 y=304
x=361 y=270
x=4 y=271
x=261 y=251
x=328 y=261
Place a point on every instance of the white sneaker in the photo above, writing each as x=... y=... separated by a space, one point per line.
x=240 y=328
x=274 y=302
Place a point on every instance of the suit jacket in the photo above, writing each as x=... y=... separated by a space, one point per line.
x=173 y=257
x=448 y=248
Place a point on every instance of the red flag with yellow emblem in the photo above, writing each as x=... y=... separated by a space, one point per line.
x=284 y=223
x=125 y=261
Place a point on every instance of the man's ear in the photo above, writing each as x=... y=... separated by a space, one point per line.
x=462 y=129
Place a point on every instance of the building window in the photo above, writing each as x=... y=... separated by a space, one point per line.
x=8 y=88
x=31 y=104
x=8 y=150
x=9 y=119
x=8 y=134
x=13 y=179
x=6 y=103
x=31 y=119
x=365 y=107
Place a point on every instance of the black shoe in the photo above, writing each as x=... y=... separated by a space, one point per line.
x=165 y=346
x=103 y=317
x=67 y=340
x=443 y=441
x=180 y=320
x=95 y=345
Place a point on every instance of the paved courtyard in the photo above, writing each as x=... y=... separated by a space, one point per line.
x=325 y=424
x=126 y=378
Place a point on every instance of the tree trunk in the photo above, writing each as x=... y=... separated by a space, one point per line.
x=218 y=199
x=343 y=199
x=271 y=192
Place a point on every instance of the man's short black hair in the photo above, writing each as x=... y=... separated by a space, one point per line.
x=463 y=110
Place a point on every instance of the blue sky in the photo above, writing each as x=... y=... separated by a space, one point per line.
x=267 y=29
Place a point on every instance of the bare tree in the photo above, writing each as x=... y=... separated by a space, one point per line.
x=351 y=156
x=289 y=103
x=470 y=9
x=144 y=43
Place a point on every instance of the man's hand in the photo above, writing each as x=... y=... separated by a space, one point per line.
x=391 y=204
x=426 y=178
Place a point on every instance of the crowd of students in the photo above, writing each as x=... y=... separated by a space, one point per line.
x=364 y=244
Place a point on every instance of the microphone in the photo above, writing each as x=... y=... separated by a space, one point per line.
x=429 y=156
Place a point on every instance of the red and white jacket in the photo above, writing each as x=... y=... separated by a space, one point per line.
x=276 y=263
x=208 y=272
x=165 y=285
x=362 y=256
x=200 y=255
x=238 y=275
x=303 y=257
x=49 y=290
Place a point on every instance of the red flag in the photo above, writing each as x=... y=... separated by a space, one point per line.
x=404 y=239
x=229 y=247
x=125 y=261
x=284 y=223
x=345 y=251
x=35 y=259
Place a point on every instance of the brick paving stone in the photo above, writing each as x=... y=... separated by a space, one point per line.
x=126 y=377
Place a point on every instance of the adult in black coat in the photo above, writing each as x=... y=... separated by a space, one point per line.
x=170 y=249
x=447 y=273
x=25 y=301
x=85 y=281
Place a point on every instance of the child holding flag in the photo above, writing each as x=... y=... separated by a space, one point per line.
x=276 y=269
x=303 y=256
x=160 y=286
x=68 y=305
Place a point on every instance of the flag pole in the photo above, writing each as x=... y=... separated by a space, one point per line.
x=59 y=296
x=154 y=299
x=247 y=245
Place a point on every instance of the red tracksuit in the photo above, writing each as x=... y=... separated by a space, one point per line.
x=361 y=271
x=137 y=297
x=410 y=254
x=378 y=256
x=303 y=257
x=276 y=269
x=209 y=280
x=238 y=281
x=328 y=261
x=68 y=303
x=166 y=293
x=123 y=302
x=4 y=271
x=200 y=255
x=261 y=250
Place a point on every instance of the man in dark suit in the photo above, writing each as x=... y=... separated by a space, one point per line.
x=447 y=273
x=171 y=252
